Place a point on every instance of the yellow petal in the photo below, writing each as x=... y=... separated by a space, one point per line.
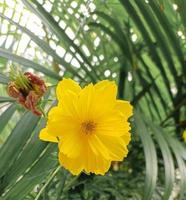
x=106 y=92
x=102 y=97
x=124 y=107
x=126 y=137
x=117 y=147
x=54 y=113
x=95 y=164
x=85 y=102
x=114 y=124
x=46 y=136
x=88 y=162
x=72 y=144
x=106 y=86
x=184 y=135
x=66 y=85
x=60 y=120
x=75 y=166
x=97 y=146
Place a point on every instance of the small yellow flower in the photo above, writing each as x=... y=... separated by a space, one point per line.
x=184 y=135
x=90 y=126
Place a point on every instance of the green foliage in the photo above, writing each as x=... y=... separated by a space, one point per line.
x=141 y=46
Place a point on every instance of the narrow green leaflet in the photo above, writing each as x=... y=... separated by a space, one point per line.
x=28 y=156
x=49 y=21
x=150 y=156
x=157 y=32
x=45 y=47
x=28 y=63
x=38 y=172
x=16 y=141
x=168 y=160
x=146 y=36
x=6 y=99
x=175 y=146
x=6 y=116
x=3 y=79
x=170 y=33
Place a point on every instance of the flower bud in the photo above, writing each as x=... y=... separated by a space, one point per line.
x=13 y=90
x=28 y=89
x=31 y=102
x=37 y=83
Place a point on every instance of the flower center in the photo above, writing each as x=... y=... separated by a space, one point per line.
x=88 y=127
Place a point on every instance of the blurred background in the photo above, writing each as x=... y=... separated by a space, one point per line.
x=139 y=44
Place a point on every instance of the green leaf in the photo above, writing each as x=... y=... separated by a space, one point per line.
x=49 y=21
x=45 y=47
x=3 y=62
x=6 y=116
x=6 y=99
x=169 y=31
x=28 y=156
x=146 y=36
x=168 y=160
x=175 y=146
x=38 y=172
x=157 y=32
x=28 y=63
x=150 y=156
x=4 y=79
x=15 y=142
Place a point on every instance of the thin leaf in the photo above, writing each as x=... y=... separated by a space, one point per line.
x=38 y=172
x=28 y=63
x=6 y=99
x=45 y=47
x=164 y=47
x=168 y=160
x=6 y=116
x=173 y=39
x=4 y=79
x=175 y=146
x=27 y=157
x=49 y=21
x=155 y=57
x=150 y=156
x=16 y=141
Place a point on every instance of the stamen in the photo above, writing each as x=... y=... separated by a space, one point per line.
x=88 y=127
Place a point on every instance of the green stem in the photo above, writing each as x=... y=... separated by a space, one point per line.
x=71 y=183
x=47 y=183
x=62 y=183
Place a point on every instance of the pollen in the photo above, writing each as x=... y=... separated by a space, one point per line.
x=88 y=127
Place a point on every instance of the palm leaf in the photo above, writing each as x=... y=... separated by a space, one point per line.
x=134 y=43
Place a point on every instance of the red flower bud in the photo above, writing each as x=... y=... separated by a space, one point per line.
x=31 y=103
x=28 y=89
x=37 y=83
x=12 y=90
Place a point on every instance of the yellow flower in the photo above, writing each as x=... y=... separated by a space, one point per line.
x=184 y=135
x=90 y=126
